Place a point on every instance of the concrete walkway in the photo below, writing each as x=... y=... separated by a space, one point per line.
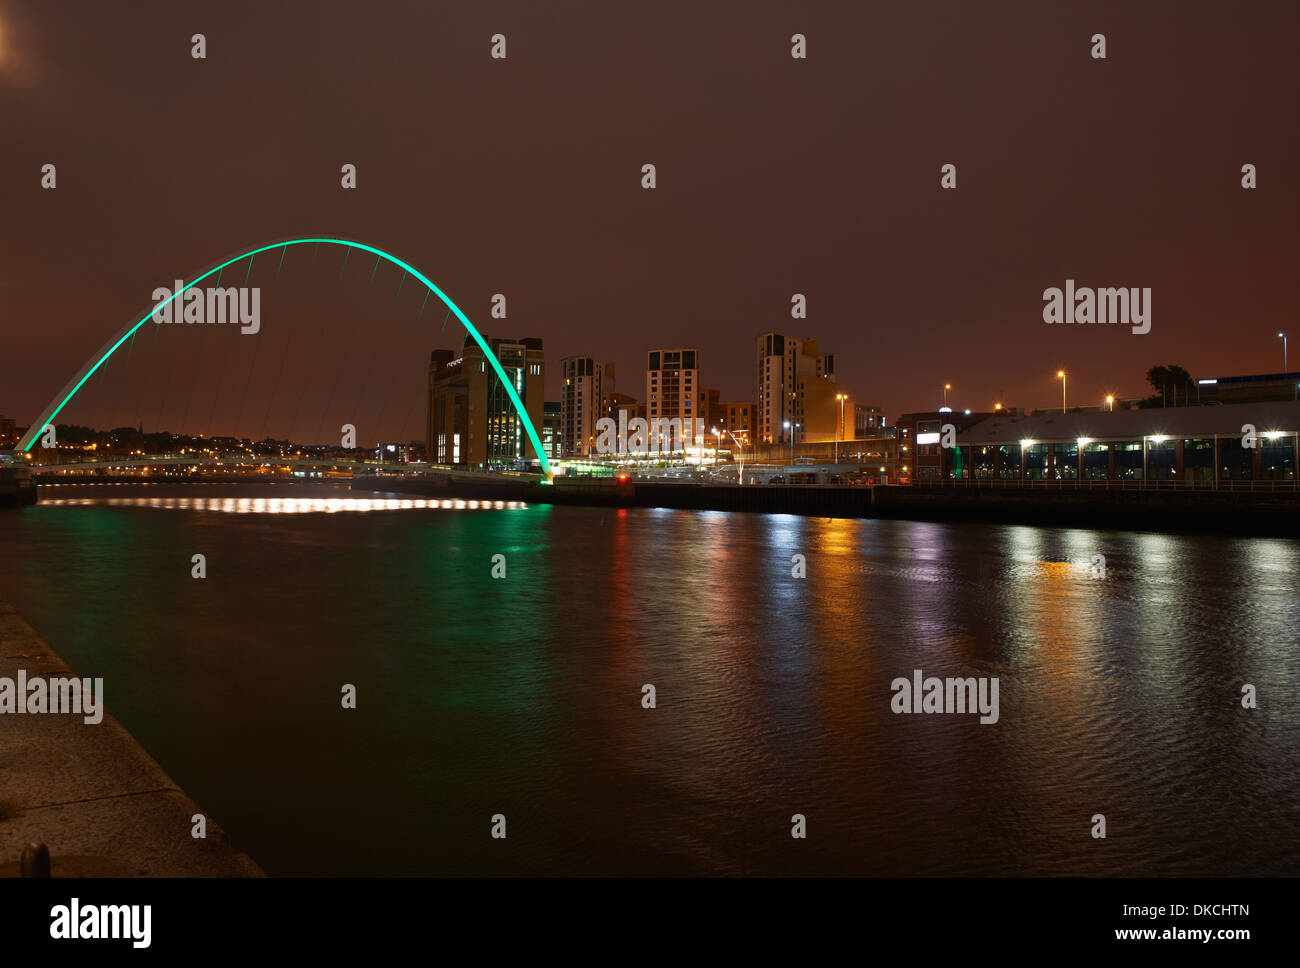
x=90 y=792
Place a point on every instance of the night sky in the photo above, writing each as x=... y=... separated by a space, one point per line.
x=522 y=176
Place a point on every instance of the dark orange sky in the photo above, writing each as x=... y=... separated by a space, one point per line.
x=522 y=176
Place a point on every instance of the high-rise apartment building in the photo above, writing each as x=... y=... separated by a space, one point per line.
x=582 y=399
x=796 y=391
x=672 y=385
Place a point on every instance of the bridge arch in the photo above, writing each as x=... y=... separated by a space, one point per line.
x=53 y=408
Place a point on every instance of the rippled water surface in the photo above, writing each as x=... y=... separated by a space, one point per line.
x=523 y=696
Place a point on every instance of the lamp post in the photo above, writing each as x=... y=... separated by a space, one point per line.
x=1110 y=402
x=740 y=476
x=1282 y=337
x=946 y=388
x=793 y=428
x=1061 y=374
x=841 y=397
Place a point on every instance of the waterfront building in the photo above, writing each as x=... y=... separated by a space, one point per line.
x=624 y=410
x=1195 y=445
x=471 y=420
x=585 y=383
x=921 y=456
x=738 y=418
x=709 y=408
x=551 y=433
x=796 y=386
x=612 y=402
x=867 y=420
x=672 y=390
x=1252 y=388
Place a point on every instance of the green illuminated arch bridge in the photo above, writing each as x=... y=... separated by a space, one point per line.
x=53 y=408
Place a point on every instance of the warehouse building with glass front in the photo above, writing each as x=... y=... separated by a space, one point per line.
x=1194 y=445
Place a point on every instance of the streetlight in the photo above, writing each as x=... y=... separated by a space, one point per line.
x=1061 y=374
x=740 y=476
x=841 y=397
x=1110 y=402
x=792 y=430
x=997 y=406
x=946 y=388
x=1282 y=337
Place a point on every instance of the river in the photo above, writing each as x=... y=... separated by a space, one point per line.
x=522 y=695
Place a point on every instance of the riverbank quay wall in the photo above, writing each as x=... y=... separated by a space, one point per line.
x=1231 y=510
x=90 y=792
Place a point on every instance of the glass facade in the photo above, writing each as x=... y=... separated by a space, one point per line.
x=1065 y=462
x=1036 y=462
x=1198 y=459
x=1162 y=459
x=1274 y=456
x=1096 y=462
x=1277 y=458
x=505 y=431
x=958 y=463
x=1128 y=460
x=1009 y=462
x=1235 y=460
x=981 y=462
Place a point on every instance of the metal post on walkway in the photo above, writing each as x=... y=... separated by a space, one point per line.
x=35 y=862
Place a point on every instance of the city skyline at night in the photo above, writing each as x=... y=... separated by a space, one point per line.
x=837 y=194
x=838 y=444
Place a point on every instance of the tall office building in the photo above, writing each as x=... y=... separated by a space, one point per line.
x=471 y=419
x=672 y=385
x=586 y=383
x=796 y=386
